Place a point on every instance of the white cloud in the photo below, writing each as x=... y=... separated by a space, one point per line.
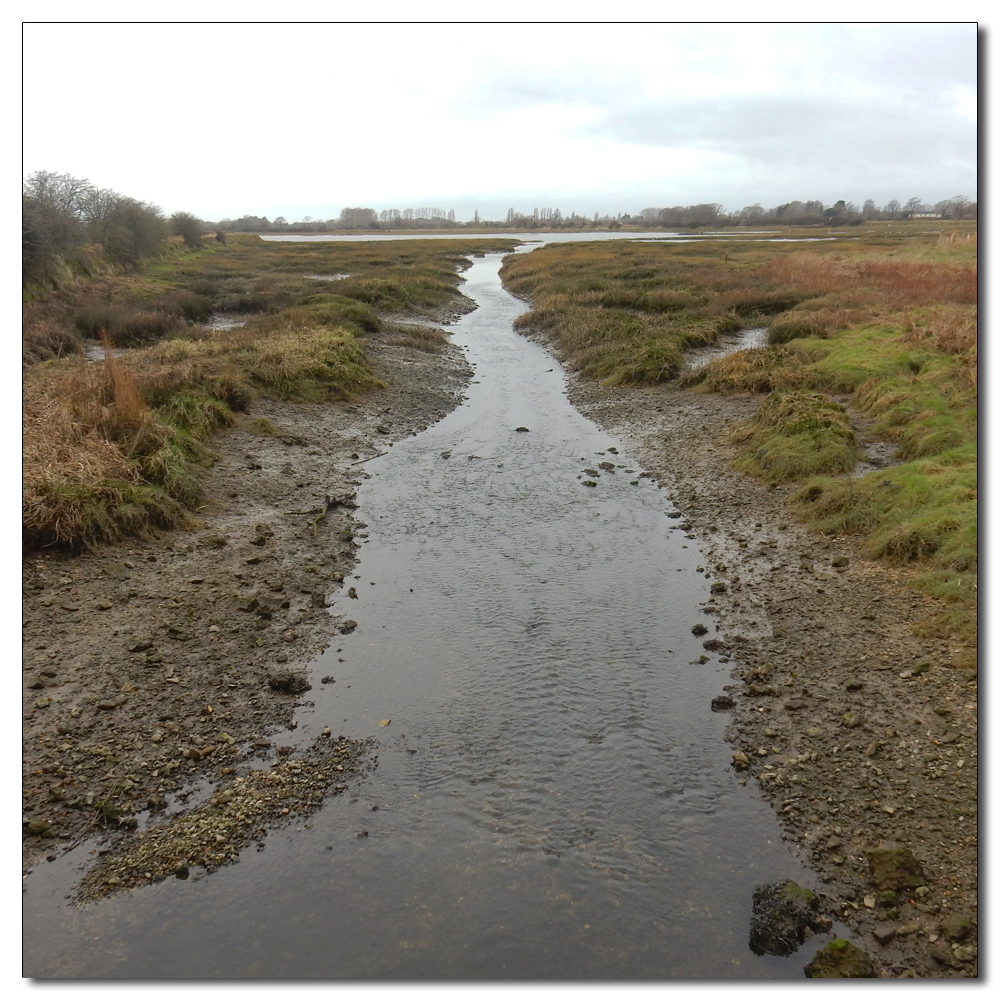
x=225 y=119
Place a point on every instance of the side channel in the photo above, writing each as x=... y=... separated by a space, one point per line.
x=553 y=797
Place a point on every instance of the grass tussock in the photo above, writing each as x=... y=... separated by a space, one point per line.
x=796 y=434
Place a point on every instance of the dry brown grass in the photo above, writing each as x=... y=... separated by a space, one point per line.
x=881 y=283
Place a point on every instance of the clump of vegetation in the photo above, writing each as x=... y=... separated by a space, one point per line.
x=796 y=434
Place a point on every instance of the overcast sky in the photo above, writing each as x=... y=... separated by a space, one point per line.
x=231 y=119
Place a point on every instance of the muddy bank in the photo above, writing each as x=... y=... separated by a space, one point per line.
x=155 y=668
x=862 y=735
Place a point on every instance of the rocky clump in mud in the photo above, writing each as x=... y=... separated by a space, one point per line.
x=841 y=960
x=241 y=810
x=782 y=915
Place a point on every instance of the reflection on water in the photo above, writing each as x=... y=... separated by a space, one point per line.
x=553 y=796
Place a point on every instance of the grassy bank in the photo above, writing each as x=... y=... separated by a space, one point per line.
x=110 y=447
x=872 y=337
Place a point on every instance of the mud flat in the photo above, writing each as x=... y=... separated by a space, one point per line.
x=152 y=670
x=861 y=734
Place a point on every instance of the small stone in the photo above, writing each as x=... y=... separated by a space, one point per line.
x=287 y=681
x=722 y=703
x=851 y=720
x=699 y=629
x=956 y=927
x=895 y=868
x=840 y=561
x=884 y=933
x=521 y=430
x=103 y=605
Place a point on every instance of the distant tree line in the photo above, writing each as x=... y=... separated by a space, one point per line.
x=805 y=213
x=793 y=213
x=66 y=221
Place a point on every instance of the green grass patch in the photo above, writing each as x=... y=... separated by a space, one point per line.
x=796 y=434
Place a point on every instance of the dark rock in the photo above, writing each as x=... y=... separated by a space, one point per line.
x=884 y=933
x=382 y=429
x=955 y=927
x=713 y=645
x=895 y=868
x=156 y=802
x=850 y=720
x=781 y=913
x=841 y=960
x=840 y=562
x=718 y=588
x=699 y=629
x=139 y=646
x=722 y=703
x=287 y=681
x=348 y=626
x=795 y=704
x=940 y=954
x=521 y=430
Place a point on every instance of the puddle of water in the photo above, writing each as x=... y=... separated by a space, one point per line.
x=224 y=321
x=93 y=350
x=553 y=797
x=728 y=344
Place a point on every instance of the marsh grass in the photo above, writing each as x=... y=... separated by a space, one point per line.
x=886 y=321
x=110 y=448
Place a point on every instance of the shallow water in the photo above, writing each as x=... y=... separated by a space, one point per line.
x=553 y=796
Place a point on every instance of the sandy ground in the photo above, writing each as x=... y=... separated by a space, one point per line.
x=159 y=667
